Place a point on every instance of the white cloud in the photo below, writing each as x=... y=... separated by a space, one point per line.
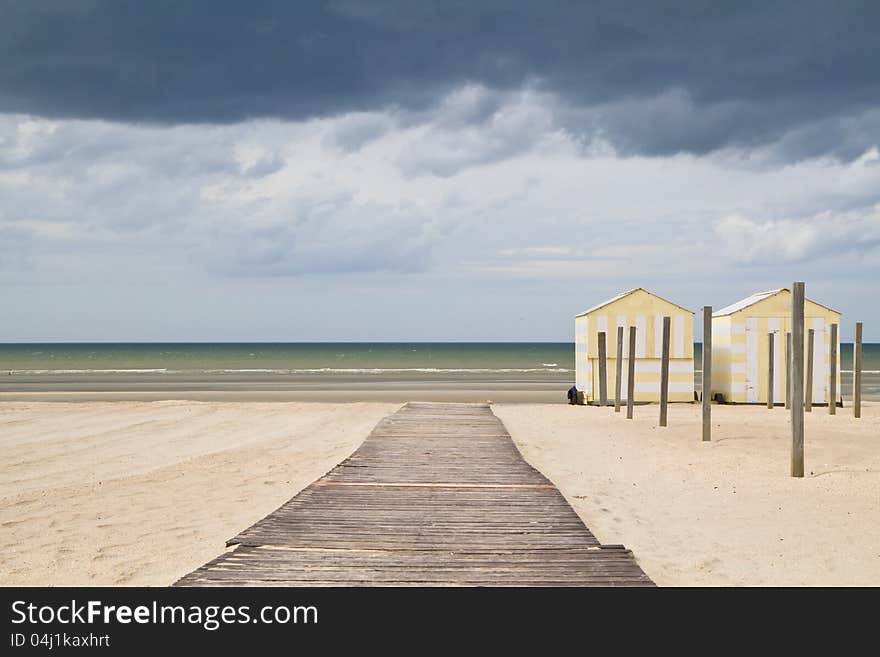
x=484 y=187
x=822 y=236
x=768 y=241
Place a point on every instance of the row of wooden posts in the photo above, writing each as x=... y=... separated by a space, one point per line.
x=798 y=395
x=631 y=371
x=808 y=385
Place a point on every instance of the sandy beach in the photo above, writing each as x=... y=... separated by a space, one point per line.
x=139 y=493
x=719 y=513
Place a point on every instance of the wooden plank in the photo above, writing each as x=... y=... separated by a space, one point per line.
x=618 y=370
x=534 y=567
x=770 y=370
x=788 y=375
x=808 y=386
x=832 y=381
x=664 y=372
x=631 y=373
x=438 y=495
x=429 y=485
x=796 y=376
x=857 y=371
x=707 y=373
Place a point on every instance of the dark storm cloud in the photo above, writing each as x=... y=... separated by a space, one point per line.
x=653 y=77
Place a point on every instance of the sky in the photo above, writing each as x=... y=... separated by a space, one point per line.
x=439 y=170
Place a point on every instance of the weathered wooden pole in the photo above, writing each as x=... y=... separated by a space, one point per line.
x=631 y=373
x=618 y=370
x=664 y=372
x=788 y=361
x=796 y=371
x=857 y=372
x=770 y=370
x=707 y=372
x=808 y=392
x=832 y=383
x=603 y=371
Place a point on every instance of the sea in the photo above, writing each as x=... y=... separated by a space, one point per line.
x=523 y=371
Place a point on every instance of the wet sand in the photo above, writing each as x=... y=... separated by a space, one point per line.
x=330 y=388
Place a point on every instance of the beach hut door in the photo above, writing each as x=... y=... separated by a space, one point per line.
x=756 y=358
x=751 y=359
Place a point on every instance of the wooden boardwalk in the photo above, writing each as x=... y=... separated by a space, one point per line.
x=437 y=495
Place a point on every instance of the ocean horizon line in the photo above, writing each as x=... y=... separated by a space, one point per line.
x=329 y=370
x=310 y=342
x=279 y=342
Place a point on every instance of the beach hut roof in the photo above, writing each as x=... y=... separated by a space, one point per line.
x=756 y=298
x=626 y=294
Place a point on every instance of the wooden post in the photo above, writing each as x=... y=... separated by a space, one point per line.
x=832 y=383
x=857 y=372
x=631 y=373
x=603 y=371
x=618 y=370
x=808 y=392
x=796 y=371
x=664 y=372
x=770 y=370
x=788 y=362
x=707 y=372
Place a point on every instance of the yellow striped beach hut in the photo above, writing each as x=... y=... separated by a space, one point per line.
x=645 y=311
x=740 y=347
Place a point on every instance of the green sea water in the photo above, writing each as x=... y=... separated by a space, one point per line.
x=351 y=371
x=367 y=359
